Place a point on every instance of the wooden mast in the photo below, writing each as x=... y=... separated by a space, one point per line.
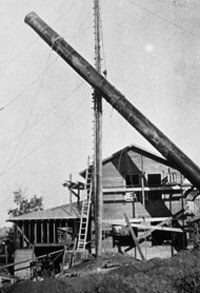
x=98 y=138
x=118 y=101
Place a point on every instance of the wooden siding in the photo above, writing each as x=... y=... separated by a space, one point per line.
x=135 y=161
x=116 y=210
x=149 y=165
x=22 y=269
x=115 y=170
x=140 y=211
x=111 y=176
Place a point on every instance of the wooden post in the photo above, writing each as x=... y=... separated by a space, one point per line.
x=42 y=231
x=54 y=231
x=98 y=138
x=22 y=231
x=29 y=233
x=182 y=200
x=142 y=181
x=134 y=237
x=35 y=232
x=70 y=193
x=6 y=254
x=172 y=234
x=60 y=225
x=48 y=226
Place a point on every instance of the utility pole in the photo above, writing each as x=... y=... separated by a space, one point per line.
x=98 y=200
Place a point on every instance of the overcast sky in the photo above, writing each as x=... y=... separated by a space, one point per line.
x=152 y=55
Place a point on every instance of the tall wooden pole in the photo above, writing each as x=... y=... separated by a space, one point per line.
x=70 y=193
x=142 y=180
x=98 y=138
x=142 y=124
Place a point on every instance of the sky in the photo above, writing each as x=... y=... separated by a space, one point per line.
x=151 y=53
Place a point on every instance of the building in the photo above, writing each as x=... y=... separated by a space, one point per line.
x=43 y=233
x=135 y=181
x=142 y=184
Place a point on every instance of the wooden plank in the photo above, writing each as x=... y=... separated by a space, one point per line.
x=146 y=234
x=30 y=259
x=23 y=235
x=163 y=189
x=134 y=220
x=134 y=237
x=147 y=227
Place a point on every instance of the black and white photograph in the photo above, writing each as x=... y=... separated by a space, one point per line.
x=99 y=146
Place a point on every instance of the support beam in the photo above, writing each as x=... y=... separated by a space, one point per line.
x=35 y=232
x=21 y=230
x=144 y=126
x=54 y=231
x=70 y=193
x=48 y=227
x=42 y=231
x=142 y=180
x=29 y=232
x=134 y=237
x=22 y=233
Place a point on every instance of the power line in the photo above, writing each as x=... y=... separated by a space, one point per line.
x=18 y=55
x=162 y=18
x=46 y=69
x=162 y=92
x=28 y=86
x=47 y=113
x=184 y=3
x=23 y=130
x=29 y=45
x=33 y=150
x=21 y=53
x=41 y=144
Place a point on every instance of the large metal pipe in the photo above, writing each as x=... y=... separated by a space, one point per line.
x=163 y=144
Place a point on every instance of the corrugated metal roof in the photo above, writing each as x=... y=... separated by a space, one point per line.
x=67 y=211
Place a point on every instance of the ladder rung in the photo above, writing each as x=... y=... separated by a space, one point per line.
x=88 y=190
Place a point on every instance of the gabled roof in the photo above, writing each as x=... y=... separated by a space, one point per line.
x=67 y=211
x=136 y=149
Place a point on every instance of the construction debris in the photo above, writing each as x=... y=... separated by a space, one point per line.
x=122 y=273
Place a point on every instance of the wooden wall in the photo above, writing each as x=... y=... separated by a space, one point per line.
x=114 y=171
x=116 y=210
x=114 y=174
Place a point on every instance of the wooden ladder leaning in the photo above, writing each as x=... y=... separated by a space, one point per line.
x=85 y=212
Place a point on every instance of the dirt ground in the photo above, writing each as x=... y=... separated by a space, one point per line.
x=122 y=273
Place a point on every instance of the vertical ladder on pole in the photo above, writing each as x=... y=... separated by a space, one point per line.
x=85 y=212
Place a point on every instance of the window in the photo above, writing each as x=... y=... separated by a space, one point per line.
x=154 y=180
x=132 y=180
